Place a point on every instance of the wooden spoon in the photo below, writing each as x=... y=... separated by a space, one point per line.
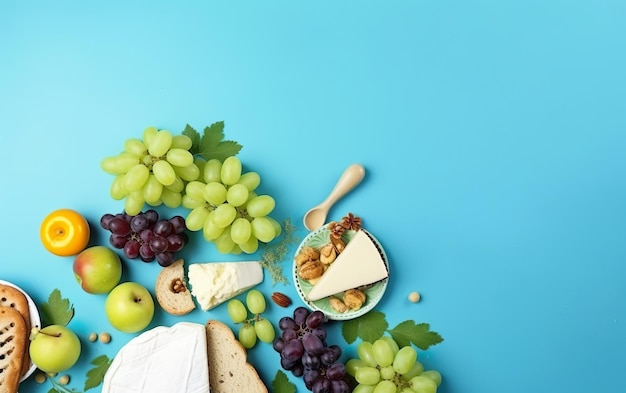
x=352 y=176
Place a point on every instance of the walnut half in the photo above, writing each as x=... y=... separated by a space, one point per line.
x=328 y=254
x=311 y=270
x=354 y=298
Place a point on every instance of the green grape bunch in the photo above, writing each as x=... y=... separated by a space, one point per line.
x=383 y=367
x=152 y=170
x=224 y=205
x=251 y=328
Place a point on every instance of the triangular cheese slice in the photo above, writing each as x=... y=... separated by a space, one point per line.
x=360 y=263
x=163 y=359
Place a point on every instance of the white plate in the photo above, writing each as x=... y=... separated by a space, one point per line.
x=35 y=321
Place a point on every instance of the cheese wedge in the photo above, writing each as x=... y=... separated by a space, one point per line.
x=215 y=282
x=360 y=263
x=163 y=359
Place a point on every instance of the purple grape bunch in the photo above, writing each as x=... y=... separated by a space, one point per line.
x=145 y=236
x=304 y=352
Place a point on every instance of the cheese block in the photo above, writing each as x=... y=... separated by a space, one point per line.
x=163 y=359
x=360 y=263
x=215 y=282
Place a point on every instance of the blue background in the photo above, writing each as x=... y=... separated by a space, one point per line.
x=493 y=134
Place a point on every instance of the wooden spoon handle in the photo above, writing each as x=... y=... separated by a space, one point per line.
x=348 y=180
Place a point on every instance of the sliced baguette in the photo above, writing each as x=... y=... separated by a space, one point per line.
x=14 y=298
x=171 y=290
x=13 y=342
x=229 y=370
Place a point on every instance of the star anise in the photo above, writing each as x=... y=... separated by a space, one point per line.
x=350 y=221
x=336 y=229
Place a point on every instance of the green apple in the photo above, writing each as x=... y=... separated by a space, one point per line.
x=54 y=348
x=97 y=269
x=129 y=307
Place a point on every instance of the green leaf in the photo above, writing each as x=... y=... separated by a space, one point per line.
x=281 y=383
x=212 y=144
x=194 y=136
x=57 y=310
x=408 y=332
x=95 y=376
x=369 y=327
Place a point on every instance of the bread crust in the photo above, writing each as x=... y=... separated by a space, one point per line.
x=174 y=303
x=14 y=298
x=13 y=340
x=229 y=370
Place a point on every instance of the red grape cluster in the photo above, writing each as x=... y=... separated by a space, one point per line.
x=303 y=351
x=146 y=236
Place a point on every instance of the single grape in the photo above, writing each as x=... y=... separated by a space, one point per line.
x=131 y=249
x=383 y=353
x=212 y=171
x=417 y=369
x=392 y=344
x=289 y=364
x=336 y=371
x=117 y=241
x=255 y=301
x=165 y=259
x=224 y=243
x=260 y=206
x=315 y=319
x=134 y=202
x=159 y=244
x=164 y=172
x=146 y=253
x=322 y=385
x=247 y=336
x=387 y=372
x=237 y=311
x=152 y=216
x=215 y=193
x=312 y=344
x=354 y=364
x=300 y=314
x=152 y=190
x=139 y=223
x=197 y=218
x=146 y=235
x=224 y=215
x=105 y=220
x=250 y=246
x=385 y=387
x=136 y=177
x=179 y=157
x=171 y=199
x=178 y=224
x=423 y=384
x=289 y=334
x=297 y=370
x=264 y=330
x=287 y=322
x=162 y=228
x=119 y=227
x=404 y=359
x=263 y=229
x=178 y=186
x=231 y=170
x=187 y=173
x=240 y=230
x=293 y=350
x=340 y=386
x=365 y=351
x=278 y=344
x=210 y=231
x=181 y=142
x=434 y=375
x=311 y=376
x=363 y=389
x=237 y=194
x=175 y=243
x=250 y=180
x=319 y=332
x=311 y=361
x=367 y=375
x=330 y=354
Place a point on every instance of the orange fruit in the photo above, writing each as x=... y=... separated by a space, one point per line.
x=64 y=232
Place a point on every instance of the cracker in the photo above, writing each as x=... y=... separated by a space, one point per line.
x=14 y=298
x=13 y=341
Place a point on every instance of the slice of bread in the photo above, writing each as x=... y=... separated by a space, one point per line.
x=171 y=290
x=13 y=340
x=229 y=370
x=14 y=298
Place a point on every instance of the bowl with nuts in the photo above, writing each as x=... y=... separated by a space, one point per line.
x=313 y=265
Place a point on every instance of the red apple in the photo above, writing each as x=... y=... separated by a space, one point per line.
x=97 y=269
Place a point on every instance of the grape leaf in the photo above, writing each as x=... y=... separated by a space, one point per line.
x=408 y=332
x=57 y=310
x=212 y=144
x=95 y=376
x=281 y=384
x=368 y=327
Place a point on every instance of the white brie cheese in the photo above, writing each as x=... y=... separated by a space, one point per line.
x=360 y=263
x=215 y=282
x=163 y=359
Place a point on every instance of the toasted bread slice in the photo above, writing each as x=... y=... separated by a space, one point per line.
x=229 y=370
x=13 y=339
x=14 y=298
x=171 y=290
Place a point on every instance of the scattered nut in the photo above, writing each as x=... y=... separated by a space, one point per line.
x=336 y=230
x=64 y=379
x=281 y=299
x=40 y=378
x=339 y=244
x=178 y=286
x=354 y=298
x=414 y=297
x=328 y=254
x=105 y=337
x=311 y=269
x=337 y=304
x=307 y=253
x=93 y=336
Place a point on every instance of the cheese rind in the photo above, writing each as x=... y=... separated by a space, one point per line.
x=360 y=263
x=214 y=283
x=163 y=359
